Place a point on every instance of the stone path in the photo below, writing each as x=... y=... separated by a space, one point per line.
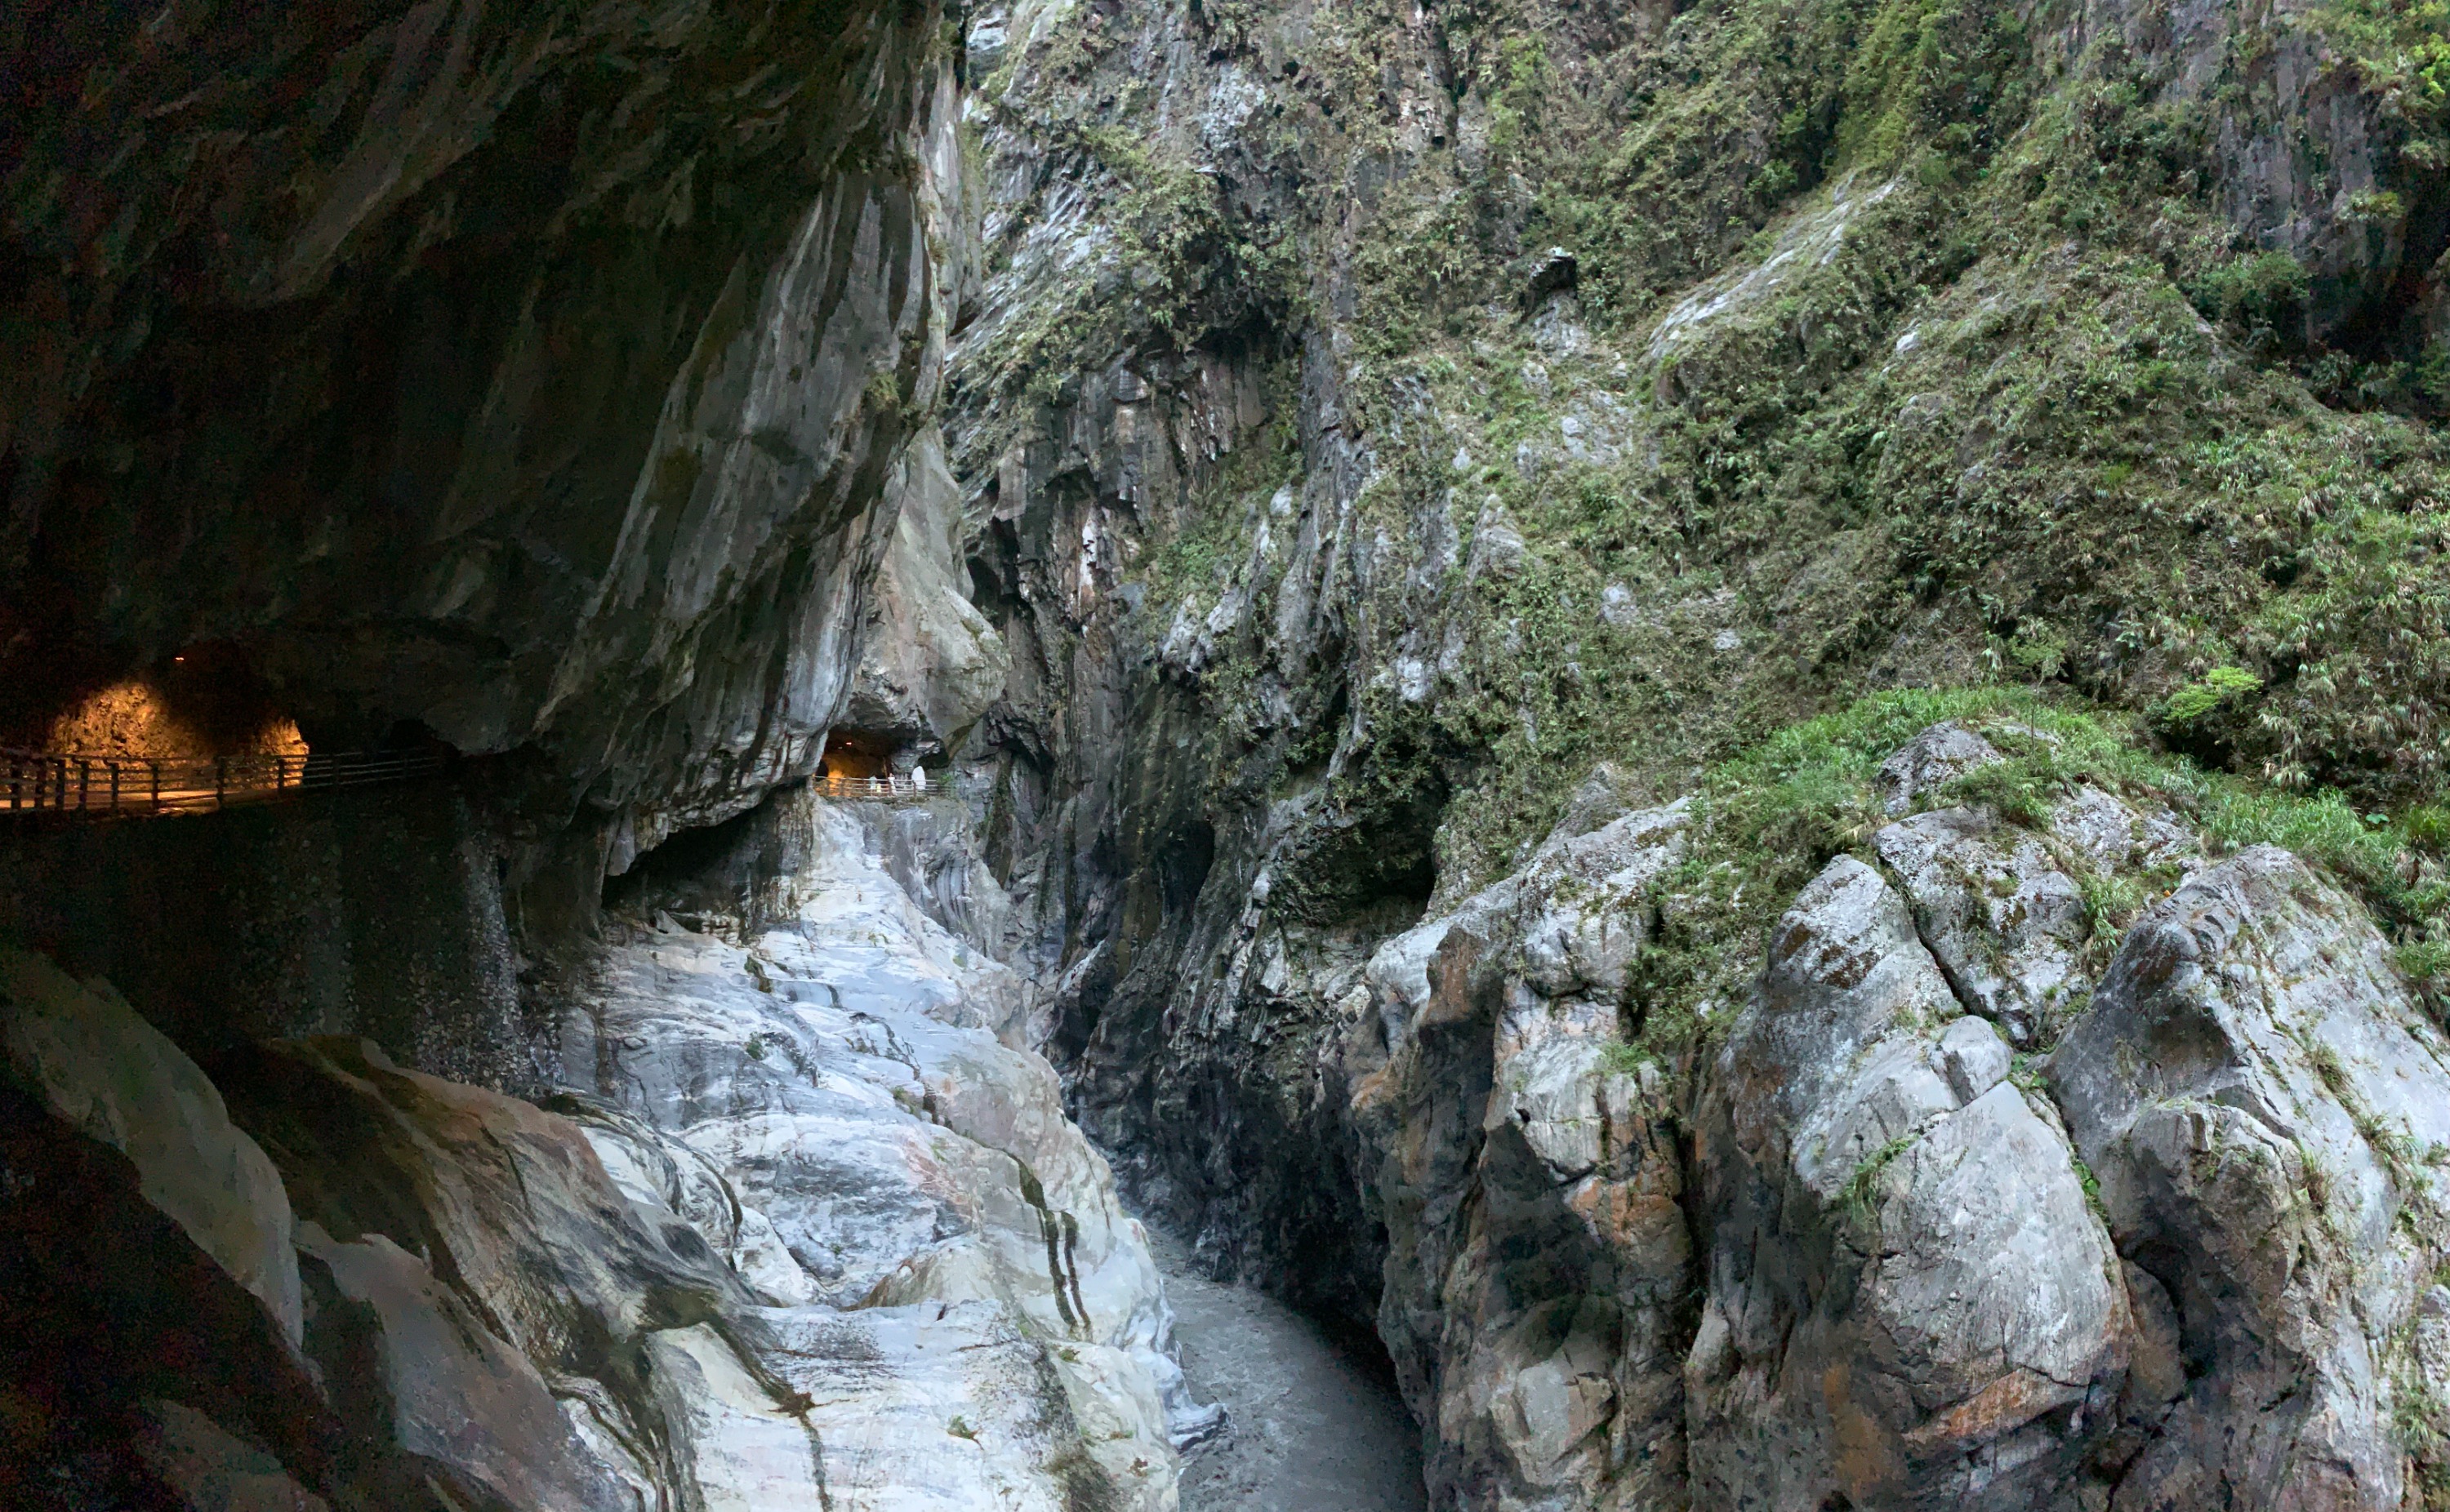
x=1310 y=1430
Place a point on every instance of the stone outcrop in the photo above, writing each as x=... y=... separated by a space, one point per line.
x=2261 y=1102
x=1909 y=1301
x=1874 y=1256
x=1539 y=1261
x=806 y=1232
x=2000 y=918
x=103 y=1070
x=1272 y=454
x=2308 y=154
x=929 y=663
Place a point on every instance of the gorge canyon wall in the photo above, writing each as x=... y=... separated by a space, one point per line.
x=1721 y=724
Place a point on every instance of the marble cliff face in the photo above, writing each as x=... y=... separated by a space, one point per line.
x=1723 y=722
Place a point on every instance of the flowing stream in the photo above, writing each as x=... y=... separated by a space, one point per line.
x=1310 y=1428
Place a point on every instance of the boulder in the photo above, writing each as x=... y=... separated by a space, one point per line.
x=1908 y=1303
x=480 y=1286
x=2263 y=1106
x=1932 y=759
x=443 y=1385
x=2003 y=920
x=85 y=1055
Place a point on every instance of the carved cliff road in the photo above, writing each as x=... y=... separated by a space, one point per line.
x=54 y=782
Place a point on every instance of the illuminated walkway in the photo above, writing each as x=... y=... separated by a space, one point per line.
x=68 y=782
x=889 y=788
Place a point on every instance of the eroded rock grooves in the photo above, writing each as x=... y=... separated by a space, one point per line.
x=1722 y=722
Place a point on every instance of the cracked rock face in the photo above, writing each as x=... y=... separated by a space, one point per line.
x=2000 y=918
x=2263 y=1103
x=1909 y=1301
x=1883 y=1259
x=1537 y=1255
x=805 y=1235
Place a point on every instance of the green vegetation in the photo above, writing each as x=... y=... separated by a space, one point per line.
x=1992 y=401
x=1163 y=265
x=1903 y=349
x=1771 y=817
x=2092 y=1185
x=2221 y=687
x=1860 y=1196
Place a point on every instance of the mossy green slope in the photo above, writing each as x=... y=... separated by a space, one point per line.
x=1910 y=343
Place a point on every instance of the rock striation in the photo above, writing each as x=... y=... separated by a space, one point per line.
x=1868 y=1251
x=1340 y=499
x=587 y=357
x=2261 y=1102
x=805 y=1235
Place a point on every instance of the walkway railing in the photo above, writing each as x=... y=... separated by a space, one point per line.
x=889 y=788
x=48 y=781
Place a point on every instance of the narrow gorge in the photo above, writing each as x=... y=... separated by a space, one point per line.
x=1225 y=756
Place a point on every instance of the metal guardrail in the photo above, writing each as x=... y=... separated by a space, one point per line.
x=889 y=788
x=50 y=782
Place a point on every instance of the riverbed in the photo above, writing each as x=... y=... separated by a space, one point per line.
x=1309 y=1427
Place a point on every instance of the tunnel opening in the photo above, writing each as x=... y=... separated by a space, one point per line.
x=204 y=701
x=855 y=754
x=707 y=878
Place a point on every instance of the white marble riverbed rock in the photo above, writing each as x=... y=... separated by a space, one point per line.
x=808 y=1235
x=954 y=1285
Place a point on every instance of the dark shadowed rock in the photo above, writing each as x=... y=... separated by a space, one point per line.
x=532 y=374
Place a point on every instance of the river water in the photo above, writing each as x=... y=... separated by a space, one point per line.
x=1310 y=1428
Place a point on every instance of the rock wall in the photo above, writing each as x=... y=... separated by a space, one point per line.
x=376 y=913
x=1860 y=1251
x=1367 y=499
x=795 y=1233
x=1374 y=419
x=540 y=379
x=562 y=384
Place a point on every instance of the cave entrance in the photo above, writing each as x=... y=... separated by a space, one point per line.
x=205 y=702
x=852 y=755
